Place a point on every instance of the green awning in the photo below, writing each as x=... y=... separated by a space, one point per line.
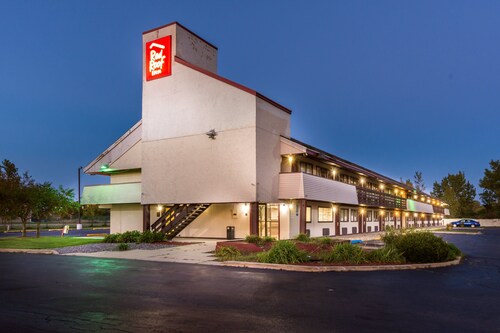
x=111 y=194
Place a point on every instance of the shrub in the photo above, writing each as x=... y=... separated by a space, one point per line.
x=123 y=247
x=149 y=236
x=454 y=251
x=323 y=240
x=253 y=239
x=111 y=238
x=422 y=247
x=387 y=254
x=303 y=238
x=345 y=253
x=283 y=252
x=449 y=227
x=224 y=253
x=268 y=239
x=129 y=237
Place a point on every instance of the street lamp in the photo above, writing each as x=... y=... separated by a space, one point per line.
x=79 y=225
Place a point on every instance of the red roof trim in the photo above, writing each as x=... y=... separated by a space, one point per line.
x=231 y=83
x=183 y=27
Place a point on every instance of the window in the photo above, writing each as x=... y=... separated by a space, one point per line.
x=353 y=180
x=369 y=216
x=375 y=217
x=354 y=215
x=306 y=167
x=325 y=214
x=308 y=214
x=344 y=215
x=322 y=172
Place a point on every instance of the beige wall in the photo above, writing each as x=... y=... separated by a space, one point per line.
x=272 y=123
x=128 y=177
x=213 y=222
x=125 y=218
x=131 y=159
x=180 y=163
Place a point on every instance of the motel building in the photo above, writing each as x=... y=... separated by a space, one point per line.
x=210 y=153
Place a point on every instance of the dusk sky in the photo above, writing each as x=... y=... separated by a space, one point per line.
x=395 y=86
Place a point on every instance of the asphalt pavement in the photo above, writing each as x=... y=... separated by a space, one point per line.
x=49 y=293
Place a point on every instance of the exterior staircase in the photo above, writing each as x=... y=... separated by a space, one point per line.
x=175 y=219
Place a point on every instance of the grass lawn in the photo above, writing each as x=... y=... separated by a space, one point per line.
x=44 y=242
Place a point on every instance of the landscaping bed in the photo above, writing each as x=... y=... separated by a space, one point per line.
x=401 y=247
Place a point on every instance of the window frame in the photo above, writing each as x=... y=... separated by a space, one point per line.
x=319 y=215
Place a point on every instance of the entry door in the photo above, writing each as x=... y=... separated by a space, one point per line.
x=269 y=217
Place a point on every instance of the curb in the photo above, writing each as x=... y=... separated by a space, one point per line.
x=29 y=251
x=458 y=232
x=320 y=269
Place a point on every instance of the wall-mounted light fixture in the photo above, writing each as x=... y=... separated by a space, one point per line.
x=211 y=134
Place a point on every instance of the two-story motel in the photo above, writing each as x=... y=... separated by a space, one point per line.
x=210 y=153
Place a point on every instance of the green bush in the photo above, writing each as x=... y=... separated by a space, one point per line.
x=151 y=237
x=387 y=254
x=323 y=240
x=345 y=253
x=111 y=238
x=254 y=239
x=123 y=247
x=224 y=253
x=454 y=251
x=303 y=238
x=130 y=237
x=422 y=247
x=449 y=227
x=268 y=239
x=283 y=252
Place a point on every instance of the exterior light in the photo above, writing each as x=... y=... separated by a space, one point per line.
x=428 y=200
x=407 y=214
x=160 y=207
x=422 y=214
x=396 y=213
x=290 y=159
x=334 y=209
x=362 y=211
x=362 y=181
x=382 y=213
x=415 y=214
x=334 y=172
x=381 y=186
x=415 y=197
x=396 y=191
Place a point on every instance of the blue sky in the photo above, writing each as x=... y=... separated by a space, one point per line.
x=395 y=86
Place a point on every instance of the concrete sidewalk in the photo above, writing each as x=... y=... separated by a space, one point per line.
x=198 y=253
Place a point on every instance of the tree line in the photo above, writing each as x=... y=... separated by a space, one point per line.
x=460 y=194
x=24 y=198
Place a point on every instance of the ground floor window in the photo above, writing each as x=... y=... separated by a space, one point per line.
x=325 y=214
x=308 y=214
x=369 y=216
x=344 y=215
x=354 y=215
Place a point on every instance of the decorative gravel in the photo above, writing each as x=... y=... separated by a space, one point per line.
x=99 y=247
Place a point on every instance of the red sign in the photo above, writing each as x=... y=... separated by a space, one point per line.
x=159 y=58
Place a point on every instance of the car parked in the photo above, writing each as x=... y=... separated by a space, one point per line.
x=466 y=223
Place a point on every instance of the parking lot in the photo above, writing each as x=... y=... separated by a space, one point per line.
x=69 y=294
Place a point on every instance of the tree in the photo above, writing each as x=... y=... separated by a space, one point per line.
x=458 y=193
x=46 y=200
x=9 y=182
x=490 y=183
x=418 y=180
x=409 y=183
x=25 y=200
x=67 y=204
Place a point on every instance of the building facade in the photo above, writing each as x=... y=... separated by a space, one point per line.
x=209 y=153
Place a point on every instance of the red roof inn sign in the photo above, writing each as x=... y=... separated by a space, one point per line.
x=158 y=58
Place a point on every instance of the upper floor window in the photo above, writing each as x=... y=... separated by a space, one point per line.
x=369 y=215
x=322 y=172
x=306 y=167
x=344 y=178
x=353 y=180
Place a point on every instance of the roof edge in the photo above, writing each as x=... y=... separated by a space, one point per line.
x=183 y=27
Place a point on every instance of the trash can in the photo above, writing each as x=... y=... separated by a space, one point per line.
x=230 y=232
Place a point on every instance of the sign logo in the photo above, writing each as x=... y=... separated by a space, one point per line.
x=159 y=58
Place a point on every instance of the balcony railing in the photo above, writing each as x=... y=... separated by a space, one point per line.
x=375 y=198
